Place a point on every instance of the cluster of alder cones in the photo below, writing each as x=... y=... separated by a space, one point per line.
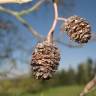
x=46 y=56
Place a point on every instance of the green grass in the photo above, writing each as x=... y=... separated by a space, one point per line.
x=59 y=91
x=65 y=91
x=62 y=91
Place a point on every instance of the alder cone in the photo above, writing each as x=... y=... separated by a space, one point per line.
x=78 y=29
x=45 y=60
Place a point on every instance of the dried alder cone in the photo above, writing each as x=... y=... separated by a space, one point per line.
x=78 y=29
x=45 y=60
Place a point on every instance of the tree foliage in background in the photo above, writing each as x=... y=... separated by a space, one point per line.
x=25 y=84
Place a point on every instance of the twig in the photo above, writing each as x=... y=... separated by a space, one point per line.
x=33 y=8
x=8 y=11
x=29 y=27
x=62 y=19
x=89 y=86
x=14 y=1
x=24 y=22
x=24 y=12
x=69 y=44
x=51 y=31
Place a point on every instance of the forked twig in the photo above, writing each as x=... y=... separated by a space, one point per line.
x=56 y=18
x=51 y=31
x=19 y=17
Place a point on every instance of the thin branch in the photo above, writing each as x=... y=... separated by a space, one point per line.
x=29 y=27
x=88 y=87
x=33 y=8
x=93 y=37
x=8 y=11
x=14 y=1
x=51 y=31
x=62 y=19
x=24 y=22
x=69 y=44
x=24 y=12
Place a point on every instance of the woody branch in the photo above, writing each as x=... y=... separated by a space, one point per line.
x=14 y=1
x=56 y=19
x=89 y=86
x=51 y=31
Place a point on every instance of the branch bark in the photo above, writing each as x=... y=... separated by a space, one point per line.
x=89 y=86
x=51 y=31
x=14 y=1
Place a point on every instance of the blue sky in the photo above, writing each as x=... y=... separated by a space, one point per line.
x=42 y=20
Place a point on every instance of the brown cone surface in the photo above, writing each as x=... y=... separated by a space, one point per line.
x=45 y=60
x=78 y=29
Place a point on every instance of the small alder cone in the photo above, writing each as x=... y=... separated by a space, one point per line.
x=45 y=60
x=78 y=29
